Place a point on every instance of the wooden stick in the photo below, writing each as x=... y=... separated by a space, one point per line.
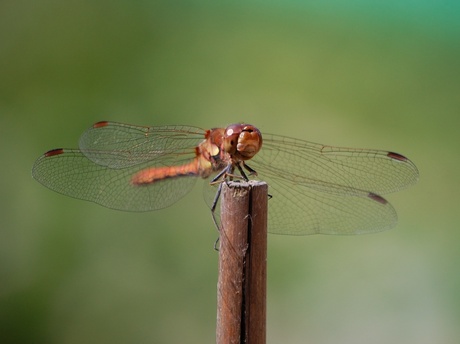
x=241 y=287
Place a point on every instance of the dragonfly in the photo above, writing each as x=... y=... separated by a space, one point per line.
x=314 y=188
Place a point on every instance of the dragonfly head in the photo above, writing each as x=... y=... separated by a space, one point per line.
x=242 y=141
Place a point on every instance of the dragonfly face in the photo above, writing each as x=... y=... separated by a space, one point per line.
x=242 y=141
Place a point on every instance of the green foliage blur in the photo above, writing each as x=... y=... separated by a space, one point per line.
x=367 y=74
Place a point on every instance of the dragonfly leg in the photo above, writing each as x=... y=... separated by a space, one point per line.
x=213 y=213
x=220 y=174
x=243 y=175
x=252 y=172
x=216 y=199
x=216 y=248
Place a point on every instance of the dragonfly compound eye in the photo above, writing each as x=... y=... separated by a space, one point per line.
x=232 y=132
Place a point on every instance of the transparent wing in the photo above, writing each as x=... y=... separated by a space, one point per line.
x=71 y=173
x=329 y=190
x=130 y=144
x=110 y=154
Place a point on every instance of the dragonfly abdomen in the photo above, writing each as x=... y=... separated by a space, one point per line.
x=154 y=174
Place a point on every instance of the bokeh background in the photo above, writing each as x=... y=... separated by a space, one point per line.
x=374 y=74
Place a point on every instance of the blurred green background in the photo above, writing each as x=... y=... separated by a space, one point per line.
x=374 y=74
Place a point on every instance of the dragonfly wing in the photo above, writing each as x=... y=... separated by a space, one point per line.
x=329 y=190
x=71 y=173
x=350 y=169
x=129 y=145
x=297 y=209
